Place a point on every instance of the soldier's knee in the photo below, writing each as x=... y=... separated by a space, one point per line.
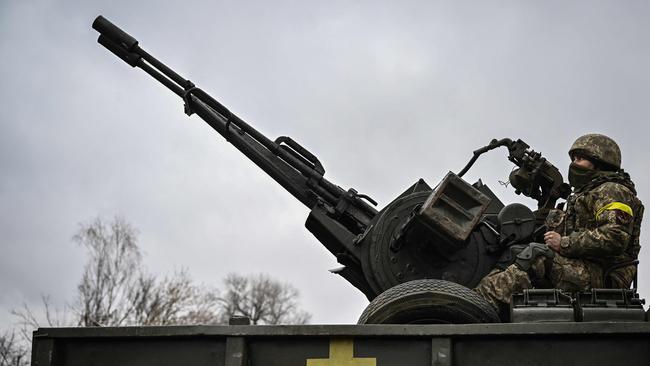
x=524 y=256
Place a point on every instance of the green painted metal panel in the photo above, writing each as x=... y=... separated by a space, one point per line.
x=347 y=345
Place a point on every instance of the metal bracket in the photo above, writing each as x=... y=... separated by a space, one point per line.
x=186 y=99
x=441 y=352
x=236 y=353
x=236 y=350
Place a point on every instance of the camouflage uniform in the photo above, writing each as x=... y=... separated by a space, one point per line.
x=600 y=228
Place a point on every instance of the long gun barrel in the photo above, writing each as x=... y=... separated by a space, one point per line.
x=286 y=161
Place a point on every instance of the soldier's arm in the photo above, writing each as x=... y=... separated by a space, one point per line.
x=612 y=210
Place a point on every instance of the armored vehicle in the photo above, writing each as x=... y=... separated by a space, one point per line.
x=415 y=259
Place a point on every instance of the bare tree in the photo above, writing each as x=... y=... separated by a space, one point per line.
x=28 y=321
x=175 y=300
x=203 y=307
x=262 y=299
x=12 y=351
x=115 y=290
x=110 y=279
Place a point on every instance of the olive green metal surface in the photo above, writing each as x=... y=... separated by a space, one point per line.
x=347 y=345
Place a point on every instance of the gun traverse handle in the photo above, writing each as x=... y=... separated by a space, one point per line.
x=114 y=33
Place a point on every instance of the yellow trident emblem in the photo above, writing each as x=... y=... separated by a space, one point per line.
x=341 y=354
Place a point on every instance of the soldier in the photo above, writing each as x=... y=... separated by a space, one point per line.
x=599 y=231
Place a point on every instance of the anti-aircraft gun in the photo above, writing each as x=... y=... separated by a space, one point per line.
x=443 y=239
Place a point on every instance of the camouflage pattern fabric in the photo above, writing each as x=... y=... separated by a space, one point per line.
x=573 y=275
x=598 y=147
x=498 y=286
x=566 y=274
x=622 y=277
x=596 y=235
x=602 y=225
x=555 y=220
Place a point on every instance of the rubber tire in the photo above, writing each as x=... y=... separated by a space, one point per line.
x=428 y=302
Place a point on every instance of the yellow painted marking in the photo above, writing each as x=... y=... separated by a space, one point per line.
x=341 y=354
x=615 y=206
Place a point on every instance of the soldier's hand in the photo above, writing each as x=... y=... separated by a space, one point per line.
x=552 y=239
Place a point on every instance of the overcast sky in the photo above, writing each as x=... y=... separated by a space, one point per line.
x=382 y=92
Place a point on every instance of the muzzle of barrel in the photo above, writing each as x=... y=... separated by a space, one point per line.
x=117 y=41
x=114 y=33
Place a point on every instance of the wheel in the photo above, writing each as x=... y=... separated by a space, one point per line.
x=428 y=302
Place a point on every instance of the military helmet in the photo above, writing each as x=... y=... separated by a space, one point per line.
x=597 y=147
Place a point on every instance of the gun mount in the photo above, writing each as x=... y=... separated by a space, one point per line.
x=455 y=232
